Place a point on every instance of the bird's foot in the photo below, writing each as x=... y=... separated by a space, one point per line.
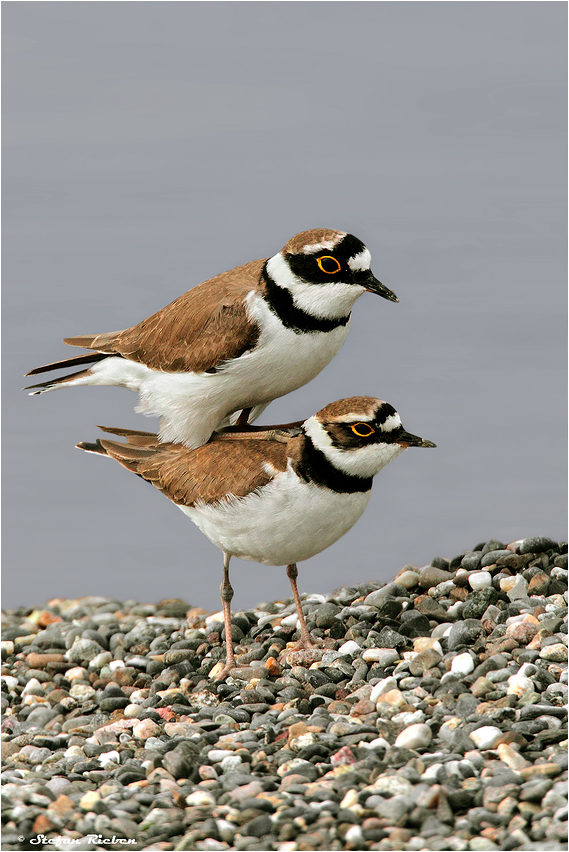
x=308 y=644
x=219 y=672
x=303 y=653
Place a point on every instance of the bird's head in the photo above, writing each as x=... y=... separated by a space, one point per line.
x=360 y=435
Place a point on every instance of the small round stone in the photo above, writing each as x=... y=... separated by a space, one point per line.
x=480 y=580
x=414 y=737
x=462 y=664
x=486 y=737
x=556 y=653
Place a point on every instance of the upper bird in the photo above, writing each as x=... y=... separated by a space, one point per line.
x=235 y=342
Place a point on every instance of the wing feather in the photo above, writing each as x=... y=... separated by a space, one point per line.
x=199 y=331
x=208 y=474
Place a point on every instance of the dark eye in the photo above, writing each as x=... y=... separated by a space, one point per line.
x=328 y=264
x=363 y=430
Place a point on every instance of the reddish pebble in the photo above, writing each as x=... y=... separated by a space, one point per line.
x=46 y=618
x=363 y=707
x=344 y=756
x=522 y=631
x=539 y=584
x=166 y=713
x=272 y=667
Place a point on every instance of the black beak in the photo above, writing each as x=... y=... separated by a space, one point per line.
x=371 y=284
x=408 y=440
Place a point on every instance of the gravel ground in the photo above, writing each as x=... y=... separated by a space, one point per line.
x=432 y=717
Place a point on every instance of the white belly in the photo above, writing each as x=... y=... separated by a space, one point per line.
x=284 y=522
x=193 y=405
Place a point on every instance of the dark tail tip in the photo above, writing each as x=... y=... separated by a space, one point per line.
x=95 y=447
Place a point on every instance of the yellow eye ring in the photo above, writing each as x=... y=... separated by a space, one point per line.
x=359 y=429
x=333 y=259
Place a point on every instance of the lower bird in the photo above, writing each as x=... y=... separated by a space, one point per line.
x=278 y=501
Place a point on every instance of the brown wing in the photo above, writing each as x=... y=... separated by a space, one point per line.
x=198 y=331
x=207 y=474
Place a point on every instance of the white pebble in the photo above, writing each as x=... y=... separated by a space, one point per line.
x=486 y=737
x=380 y=688
x=290 y=620
x=350 y=647
x=431 y=772
x=519 y=685
x=109 y=757
x=139 y=695
x=408 y=717
x=101 y=660
x=116 y=664
x=76 y=673
x=133 y=711
x=415 y=736
x=455 y=610
x=200 y=799
x=216 y=755
x=74 y=751
x=480 y=580
x=11 y=682
x=462 y=664
x=373 y=655
x=81 y=691
x=32 y=685
x=379 y=742
x=350 y=799
x=231 y=762
x=354 y=834
x=408 y=579
x=441 y=630
x=442 y=590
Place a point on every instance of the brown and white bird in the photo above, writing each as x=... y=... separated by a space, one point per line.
x=235 y=342
x=274 y=502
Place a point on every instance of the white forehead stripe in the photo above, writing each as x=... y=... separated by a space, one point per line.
x=316 y=431
x=313 y=248
x=360 y=262
x=281 y=273
x=392 y=422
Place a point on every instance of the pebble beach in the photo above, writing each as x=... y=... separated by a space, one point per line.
x=432 y=716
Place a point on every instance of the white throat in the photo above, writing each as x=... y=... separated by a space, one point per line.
x=325 y=301
x=363 y=461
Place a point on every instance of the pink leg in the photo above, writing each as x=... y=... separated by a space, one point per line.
x=226 y=591
x=292 y=574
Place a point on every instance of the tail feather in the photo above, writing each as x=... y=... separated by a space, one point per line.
x=129 y=456
x=44 y=387
x=133 y=436
x=126 y=455
x=88 y=358
x=101 y=342
x=96 y=447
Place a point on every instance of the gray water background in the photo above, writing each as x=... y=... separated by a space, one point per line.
x=149 y=146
